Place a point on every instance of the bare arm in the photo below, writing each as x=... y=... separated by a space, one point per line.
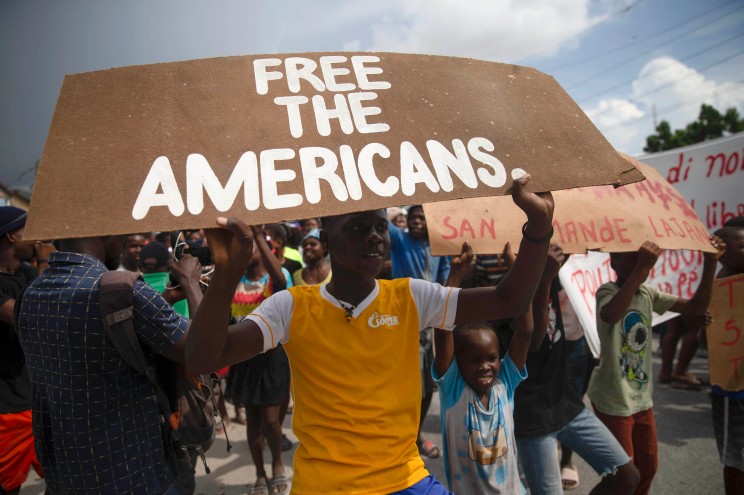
x=212 y=343
x=616 y=307
x=513 y=295
x=444 y=342
x=269 y=261
x=698 y=304
x=540 y=310
x=187 y=272
x=6 y=311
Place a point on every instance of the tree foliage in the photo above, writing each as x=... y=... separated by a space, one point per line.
x=710 y=124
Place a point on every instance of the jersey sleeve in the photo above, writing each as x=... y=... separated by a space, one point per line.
x=155 y=321
x=437 y=305
x=273 y=317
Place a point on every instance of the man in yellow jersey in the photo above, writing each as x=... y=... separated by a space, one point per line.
x=353 y=345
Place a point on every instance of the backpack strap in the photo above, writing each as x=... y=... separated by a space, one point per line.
x=116 y=293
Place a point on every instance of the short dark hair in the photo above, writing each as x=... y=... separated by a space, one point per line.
x=277 y=231
x=461 y=331
x=735 y=222
x=413 y=207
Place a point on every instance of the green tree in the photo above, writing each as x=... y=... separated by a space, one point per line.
x=710 y=124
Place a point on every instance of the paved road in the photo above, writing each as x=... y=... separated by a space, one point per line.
x=688 y=456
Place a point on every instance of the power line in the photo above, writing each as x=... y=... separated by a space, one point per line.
x=554 y=46
x=666 y=85
x=677 y=106
x=640 y=40
x=634 y=58
x=684 y=59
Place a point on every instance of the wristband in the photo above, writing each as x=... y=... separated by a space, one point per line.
x=541 y=240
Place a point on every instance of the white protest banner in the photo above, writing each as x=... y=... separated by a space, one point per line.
x=709 y=175
x=274 y=137
x=583 y=274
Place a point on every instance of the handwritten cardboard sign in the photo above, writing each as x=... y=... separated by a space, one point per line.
x=725 y=334
x=599 y=218
x=271 y=137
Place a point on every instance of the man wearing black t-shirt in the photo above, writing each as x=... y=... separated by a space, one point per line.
x=16 y=438
x=547 y=410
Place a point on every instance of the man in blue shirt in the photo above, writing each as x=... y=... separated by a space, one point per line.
x=411 y=256
x=96 y=424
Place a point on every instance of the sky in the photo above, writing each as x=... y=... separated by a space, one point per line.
x=627 y=63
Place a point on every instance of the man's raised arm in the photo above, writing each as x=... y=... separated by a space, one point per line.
x=212 y=343
x=513 y=295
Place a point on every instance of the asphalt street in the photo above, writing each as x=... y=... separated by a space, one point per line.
x=688 y=457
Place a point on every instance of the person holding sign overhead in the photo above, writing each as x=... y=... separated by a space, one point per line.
x=353 y=344
x=621 y=386
x=728 y=405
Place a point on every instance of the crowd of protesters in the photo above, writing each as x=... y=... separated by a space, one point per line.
x=349 y=324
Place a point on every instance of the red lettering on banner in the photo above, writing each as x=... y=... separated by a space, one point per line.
x=588 y=232
x=673 y=258
x=660 y=190
x=588 y=282
x=642 y=189
x=466 y=227
x=446 y=223
x=730 y=284
x=667 y=228
x=485 y=225
x=653 y=227
x=605 y=232
x=673 y=175
x=731 y=327
x=571 y=231
x=716 y=213
x=735 y=364
x=728 y=165
x=620 y=230
x=557 y=230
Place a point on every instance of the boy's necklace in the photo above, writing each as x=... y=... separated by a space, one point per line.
x=348 y=308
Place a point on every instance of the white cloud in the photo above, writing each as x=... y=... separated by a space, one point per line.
x=616 y=118
x=671 y=89
x=485 y=29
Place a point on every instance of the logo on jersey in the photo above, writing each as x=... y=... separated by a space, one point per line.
x=378 y=320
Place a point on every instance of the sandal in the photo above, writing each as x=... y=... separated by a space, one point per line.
x=279 y=484
x=686 y=383
x=429 y=449
x=569 y=477
x=260 y=487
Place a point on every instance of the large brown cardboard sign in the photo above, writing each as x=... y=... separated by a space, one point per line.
x=272 y=137
x=724 y=334
x=599 y=218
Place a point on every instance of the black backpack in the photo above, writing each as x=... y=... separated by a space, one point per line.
x=187 y=401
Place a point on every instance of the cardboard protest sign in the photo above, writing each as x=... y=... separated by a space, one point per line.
x=271 y=137
x=675 y=272
x=595 y=218
x=724 y=334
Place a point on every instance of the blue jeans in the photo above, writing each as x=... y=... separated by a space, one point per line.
x=427 y=486
x=585 y=435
